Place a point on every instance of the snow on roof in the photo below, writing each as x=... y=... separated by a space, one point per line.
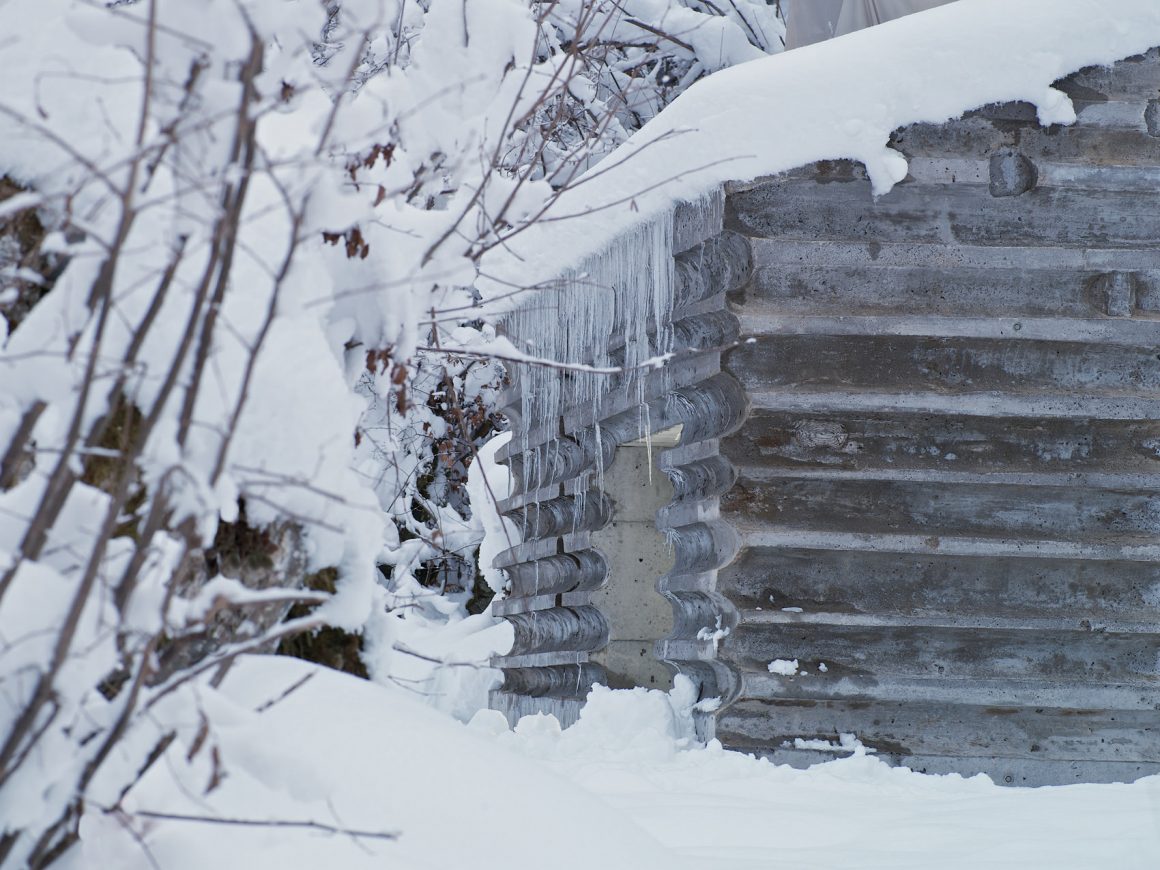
x=837 y=99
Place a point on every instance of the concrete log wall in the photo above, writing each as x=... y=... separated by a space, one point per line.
x=604 y=588
x=932 y=477
x=948 y=491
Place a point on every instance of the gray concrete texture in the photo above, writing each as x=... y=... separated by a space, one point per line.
x=948 y=491
x=638 y=555
x=933 y=477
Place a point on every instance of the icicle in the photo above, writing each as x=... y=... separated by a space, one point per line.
x=599 y=456
x=525 y=440
x=620 y=293
x=579 y=503
x=646 y=427
x=624 y=294
x=554 y=465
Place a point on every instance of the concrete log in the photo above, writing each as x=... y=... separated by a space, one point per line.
x=936 y=586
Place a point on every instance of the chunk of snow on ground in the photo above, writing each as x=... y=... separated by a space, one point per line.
x=784 y=667
x=713 y=635
x=846 y=743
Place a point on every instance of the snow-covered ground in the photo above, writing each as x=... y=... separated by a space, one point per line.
x=623 y=788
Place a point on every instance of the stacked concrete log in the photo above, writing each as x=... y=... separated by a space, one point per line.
x=922 y=505
x=563 y=600
x=948 y=496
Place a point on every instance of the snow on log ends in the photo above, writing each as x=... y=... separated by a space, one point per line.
x=834 y=100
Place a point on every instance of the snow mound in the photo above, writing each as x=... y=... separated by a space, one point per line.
x=305 y=743
x=623 y=789
x=837 y=99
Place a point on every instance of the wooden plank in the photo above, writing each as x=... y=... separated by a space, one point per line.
x=763 y=319
x=1133 y=78
x=810 y=684
x=973 y=734
x=953 y=169
x=884 y=254
x=1026 y=771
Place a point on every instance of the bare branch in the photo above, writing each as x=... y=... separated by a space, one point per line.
x=267 y=823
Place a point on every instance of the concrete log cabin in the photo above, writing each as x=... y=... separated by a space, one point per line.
x=903 y=479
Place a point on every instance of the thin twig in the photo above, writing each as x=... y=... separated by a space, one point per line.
x=286 y=693
x=267 y=823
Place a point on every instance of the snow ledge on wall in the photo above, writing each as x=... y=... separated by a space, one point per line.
x=835 y=100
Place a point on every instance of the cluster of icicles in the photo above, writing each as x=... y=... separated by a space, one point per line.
x=613 y=311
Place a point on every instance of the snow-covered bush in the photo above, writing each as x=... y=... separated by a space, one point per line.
x=262 y=222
